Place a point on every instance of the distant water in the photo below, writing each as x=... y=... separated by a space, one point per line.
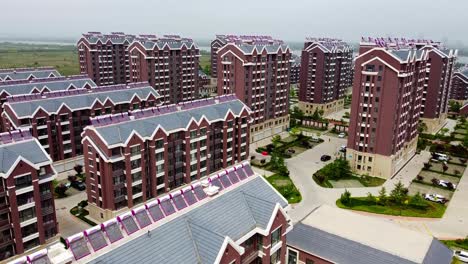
x=462 y=60
x=38 y=42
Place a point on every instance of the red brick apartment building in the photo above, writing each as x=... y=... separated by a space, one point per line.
x=233 y=217
x=295 y=69
x=27 y=210
x=104 y=57
x=387 y=97
x=132 y=158
x=440 y=67
x=258 y=74
x=459 y=89
x=58 y=118
x=326 y=68
x=39 y=86
x=222 y=40
x=28 y=73
x=169 y=64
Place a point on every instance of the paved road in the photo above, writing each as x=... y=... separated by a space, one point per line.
x=69 y=224
x=454 y=224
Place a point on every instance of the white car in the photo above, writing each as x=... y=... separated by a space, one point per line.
x=446 y=184
x=461 y=255
x=342 y=148
x=441 y=156
x=342 y=135
x=436 y=198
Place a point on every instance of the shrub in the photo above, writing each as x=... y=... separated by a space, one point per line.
x=72 y=178
x=444 y=168
x=383 y=196
x=79 y=169
x=83 y=204
x=252 y=157
x=262 y=161
x=346 y=197
x=319 y=177
x=427 y=165
x=60 y=190
x=370 y=198
x=435 y=181
x=419 y=178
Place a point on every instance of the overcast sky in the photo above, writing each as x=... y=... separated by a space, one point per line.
x=201 y=19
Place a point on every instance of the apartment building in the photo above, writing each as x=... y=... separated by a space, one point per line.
x=146 y=153
x=459 y=89
x=258 y=74
x=387 y=97
x=295 y=69
x=27 y=210
x=326 y=68
x=222 y=40
x=27 y=73
x=440 y=68
x=169 y=63
x=58 y=118
x=104 y=57
x=204 y=84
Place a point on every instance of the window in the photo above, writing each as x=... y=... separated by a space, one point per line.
x=309 y=261
x=193 y=134
x=275 y=257
x=292 y=256
x=23 y=181
x=135 y=150
x=276 y=236
x=134 y=164
x=159 y=144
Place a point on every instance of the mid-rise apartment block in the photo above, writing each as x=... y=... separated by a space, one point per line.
x=169 y=63
x=386 y=104
x=325 y=76
x=28 y=73
x=27 y=210
x=222 y=40
x=258 y=74
x=132 y=158
x=58 y=118
x=459 y=89
x=295 y=69
x=104 y=57
x=440 y=68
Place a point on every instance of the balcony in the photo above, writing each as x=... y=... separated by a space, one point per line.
x=46 y=196
x=46 y=178
x=119 y=199
x=47 y=210
x=250 y=257
x=118 y=172
x=179 y=164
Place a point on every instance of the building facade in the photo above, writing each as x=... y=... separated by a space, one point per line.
x=170 y=64
x=459 y=89
x=326 y=67
x=28 y=73
x=146 y=154
x=440 y=68
x=57 y=118
x=259 y=76
x=27 y=209
x=104 y=57
x=295 y=69
x=386 y=104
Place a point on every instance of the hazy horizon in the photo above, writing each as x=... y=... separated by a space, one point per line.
x=291 y=21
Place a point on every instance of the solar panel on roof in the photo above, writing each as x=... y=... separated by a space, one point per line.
x=156 y=213
x=167 y=207
x=41 y=260
x=225 y=181
x=233 y=177
x=97 y=240
x=142 y=218
x=190 y=197
x=217 y=183
x=199 y=193
x=129 y=225
x=79 y=248
x=241 y=173
x=179 y=202
x=248 y=170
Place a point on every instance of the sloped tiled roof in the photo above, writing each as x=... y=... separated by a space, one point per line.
x=51 y=84
x=29 y=150
x=24 y=74
x=198 y=235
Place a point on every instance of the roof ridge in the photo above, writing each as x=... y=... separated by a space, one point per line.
x=258 y=198
x=195 y=245
x=206 y=229
x=248 y=206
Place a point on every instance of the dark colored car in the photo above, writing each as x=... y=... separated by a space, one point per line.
x=80 y=186
x=325 y=158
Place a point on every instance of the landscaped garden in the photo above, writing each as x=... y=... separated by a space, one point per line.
x=287 y=147
x=457 y=244
x=338 y=174
x=80 y=212
x=397 y=202
x=286 y=187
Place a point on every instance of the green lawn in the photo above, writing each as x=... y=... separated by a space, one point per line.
x=286 y=187
x=434 y=210
x=459 y=243
x=64 y=58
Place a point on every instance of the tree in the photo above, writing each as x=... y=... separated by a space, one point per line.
x=422 y=127
x=72 y=178
x=346 y=197
x=455 y=106
x=207 y=69
x=298 y=114
x=79 y=169
x=370 y=198
x=276 y=140
x=316 y=115
x=399 y=193
x=427 y=165
x=416 y=199
x=435 y=181
x=60 y=190
x=444 y=168
x=383 y=196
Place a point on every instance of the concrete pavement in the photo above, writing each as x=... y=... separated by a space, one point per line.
x=68 y=223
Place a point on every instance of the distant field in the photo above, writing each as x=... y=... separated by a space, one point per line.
x=64 y=58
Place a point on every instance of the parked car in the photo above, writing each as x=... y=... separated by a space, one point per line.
x=447 y=184
x=325 y=158
x=440 y=156
x=461 y=255
x=315 y=139
x=341 y=135
x=343 y=148
x=436 y=198
x=80 y=186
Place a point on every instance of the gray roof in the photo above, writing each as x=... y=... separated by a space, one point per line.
x=84 y=101
x=464 y=72
x=24 y=74
x=197 y=236
x=55 y=84
x=270 y=48
x=30 y=150
x=173 y=45
x=341 y=250
x=145 y=127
